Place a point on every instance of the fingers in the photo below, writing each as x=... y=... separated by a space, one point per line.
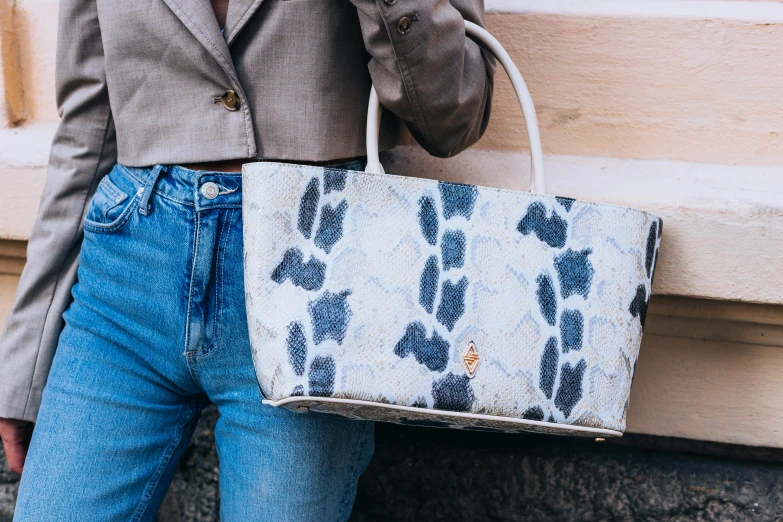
x=16 y=439
x=15 y=453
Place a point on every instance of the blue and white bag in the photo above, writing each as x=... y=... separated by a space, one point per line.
x=439 y=304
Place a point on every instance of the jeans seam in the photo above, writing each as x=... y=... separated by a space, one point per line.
x=114 y=191
x=116 y=225
x=217 y=332
x=230 y=219
x=155 y=479
x=190 y=289
x=346 y=501
x=219 y=206
x=220 y=298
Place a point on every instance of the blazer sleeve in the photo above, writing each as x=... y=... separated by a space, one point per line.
x=82 y=152
x=431 y=75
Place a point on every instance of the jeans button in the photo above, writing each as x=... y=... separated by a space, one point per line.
x=210 y=190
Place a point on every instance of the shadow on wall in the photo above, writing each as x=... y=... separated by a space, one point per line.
x=14 y=44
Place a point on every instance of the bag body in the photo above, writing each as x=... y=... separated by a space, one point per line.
x=380 y=289
x=424 y=302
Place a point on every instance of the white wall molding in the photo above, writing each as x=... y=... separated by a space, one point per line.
x=19 y=200
x=714 y=215
x=26 y=145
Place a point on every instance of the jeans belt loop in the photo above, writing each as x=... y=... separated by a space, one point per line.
x=144 y=205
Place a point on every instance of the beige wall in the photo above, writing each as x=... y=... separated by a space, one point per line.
x=672 y=106
x=699 y=90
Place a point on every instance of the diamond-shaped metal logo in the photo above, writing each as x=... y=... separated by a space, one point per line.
x=471 y=359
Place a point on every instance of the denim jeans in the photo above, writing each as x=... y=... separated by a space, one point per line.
x=156 y=331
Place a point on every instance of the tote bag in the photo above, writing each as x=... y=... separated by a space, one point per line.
x=424 y=302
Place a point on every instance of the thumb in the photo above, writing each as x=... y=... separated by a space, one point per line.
x=16 y=439
x=15 y=453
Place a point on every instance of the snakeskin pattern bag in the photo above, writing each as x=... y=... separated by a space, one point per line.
x=439 y=304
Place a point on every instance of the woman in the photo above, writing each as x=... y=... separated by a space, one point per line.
x=162 y=101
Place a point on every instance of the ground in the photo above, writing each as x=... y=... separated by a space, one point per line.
x=431 y=474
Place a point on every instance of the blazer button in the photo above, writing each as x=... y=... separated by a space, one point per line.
x=403 y=25
x=230 y=100
x=390 y=2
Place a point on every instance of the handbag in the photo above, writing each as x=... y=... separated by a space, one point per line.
x=431 y=303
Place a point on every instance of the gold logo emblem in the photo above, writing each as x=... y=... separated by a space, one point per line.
x=471 y=359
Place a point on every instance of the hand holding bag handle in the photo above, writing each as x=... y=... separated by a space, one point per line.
x=538 y=182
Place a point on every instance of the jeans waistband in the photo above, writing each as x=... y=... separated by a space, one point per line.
x=201 y=188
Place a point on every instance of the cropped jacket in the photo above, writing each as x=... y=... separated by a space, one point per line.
x=145 y=82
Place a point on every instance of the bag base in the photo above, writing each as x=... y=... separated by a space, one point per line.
x=409 y=415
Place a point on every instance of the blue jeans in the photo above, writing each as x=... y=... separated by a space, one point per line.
x=156 y=331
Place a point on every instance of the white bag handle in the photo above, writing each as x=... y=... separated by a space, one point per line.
x=538 y=181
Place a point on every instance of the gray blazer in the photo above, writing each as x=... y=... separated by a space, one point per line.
x=153 y=81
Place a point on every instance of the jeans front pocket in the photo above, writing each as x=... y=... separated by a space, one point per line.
x=110 y=207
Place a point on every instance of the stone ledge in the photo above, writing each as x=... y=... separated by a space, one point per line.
x=19 y=200
x=713 y=215
x=26 y=146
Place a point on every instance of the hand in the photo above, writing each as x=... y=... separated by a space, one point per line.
x=16 y=439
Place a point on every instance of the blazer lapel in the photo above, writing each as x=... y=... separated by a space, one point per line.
x=199 y=18
x=239 y=12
